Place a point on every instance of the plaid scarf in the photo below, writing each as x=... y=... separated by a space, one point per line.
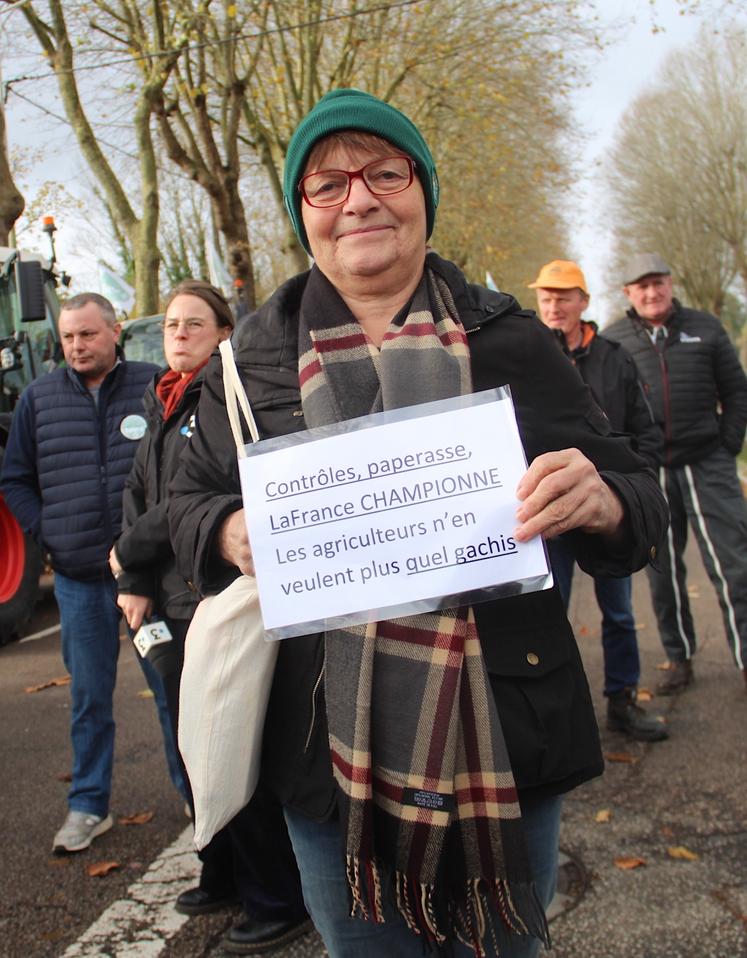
x=427 y=795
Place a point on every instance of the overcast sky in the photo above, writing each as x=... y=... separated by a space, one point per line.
x=623 y=71
x=625 y=68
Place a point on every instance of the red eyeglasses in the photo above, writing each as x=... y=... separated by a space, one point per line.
x=384 y=177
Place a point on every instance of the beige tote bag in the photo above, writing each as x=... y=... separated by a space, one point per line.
x=227 y=676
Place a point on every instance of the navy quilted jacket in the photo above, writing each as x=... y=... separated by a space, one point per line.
x=66 y=463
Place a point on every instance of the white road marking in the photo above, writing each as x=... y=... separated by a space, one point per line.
x=39 y=635
x=139 y=925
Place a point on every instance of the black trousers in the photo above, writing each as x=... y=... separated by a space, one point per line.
x=251 y=856
x=707 y=497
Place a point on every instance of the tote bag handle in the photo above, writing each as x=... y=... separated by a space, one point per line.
x=235 y=398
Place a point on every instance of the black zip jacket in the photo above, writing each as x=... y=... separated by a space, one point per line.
x=693 y=380
x=610 y=373
x=540 y=688
x=144 y=548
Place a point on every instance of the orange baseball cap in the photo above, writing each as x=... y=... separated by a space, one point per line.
x=560 y=274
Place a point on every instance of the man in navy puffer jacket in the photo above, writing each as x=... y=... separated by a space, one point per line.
x=71 y=445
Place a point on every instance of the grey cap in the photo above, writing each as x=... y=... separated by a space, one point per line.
x=644 y=264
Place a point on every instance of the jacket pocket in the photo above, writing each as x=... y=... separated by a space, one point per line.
x=543 y=703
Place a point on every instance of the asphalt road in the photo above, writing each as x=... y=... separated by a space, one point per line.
x=47 y=901
x=687 y=793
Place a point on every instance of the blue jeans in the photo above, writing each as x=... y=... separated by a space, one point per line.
x=320 y=855
x=89 y=624
x=622 y=666
x=155 y=683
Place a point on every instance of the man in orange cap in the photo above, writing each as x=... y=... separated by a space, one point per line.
x=562 y=298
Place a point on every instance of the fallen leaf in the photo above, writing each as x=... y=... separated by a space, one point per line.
x=145 y=694
x=603 y=816
x=625 y=757
x=664 y=666
x=100 y=869
x=640 y=626
x=679 y=851
x=667 y=832
x=64 y=777
x=63 y=680
x=583 y=630
x=139 y=818
x=644 y=694
x=54 y=935
x=627 y=863
x=693 y=592
x=58 y=862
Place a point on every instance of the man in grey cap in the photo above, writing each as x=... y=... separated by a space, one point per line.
x=698 y=391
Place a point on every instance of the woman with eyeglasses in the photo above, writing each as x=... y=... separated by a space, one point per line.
x=421 y=761
x=197 y=318
x=250 y=860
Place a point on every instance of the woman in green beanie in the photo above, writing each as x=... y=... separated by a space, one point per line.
x=413 y=835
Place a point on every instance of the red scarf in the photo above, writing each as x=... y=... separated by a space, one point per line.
x=172 y=386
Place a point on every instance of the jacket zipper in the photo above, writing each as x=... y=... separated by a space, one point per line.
x=100 y=426
x=667 y=411
x=100 y=412
x=313 y=708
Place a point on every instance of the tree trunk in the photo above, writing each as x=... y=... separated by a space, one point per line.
x=743 y=347
x=230 y=219
x=144 y=232
x=141 y=232
x=11 y=201
x=291 y=247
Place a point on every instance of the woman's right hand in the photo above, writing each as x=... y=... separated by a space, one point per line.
x=233 y=543
x=135 y=608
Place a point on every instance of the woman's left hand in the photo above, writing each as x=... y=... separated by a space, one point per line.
x=562 y=491
x=114 y=564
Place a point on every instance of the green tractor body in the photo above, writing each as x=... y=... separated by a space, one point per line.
x=29 y=347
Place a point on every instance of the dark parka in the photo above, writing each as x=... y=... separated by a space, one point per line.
x=545 y=708
x=67 y=459
x=610 y=373
x=693 y=380
x=144 y=548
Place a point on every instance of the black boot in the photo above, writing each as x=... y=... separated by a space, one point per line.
x=198 y=901
x=677 y=677
x=624 y=715
x=263 y=937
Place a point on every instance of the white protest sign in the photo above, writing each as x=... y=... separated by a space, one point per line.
x=387 y=515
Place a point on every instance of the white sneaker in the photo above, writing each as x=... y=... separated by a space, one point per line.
x=78 y=831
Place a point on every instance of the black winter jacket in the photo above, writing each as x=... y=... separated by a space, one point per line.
x=694 y=382
x=144 y=548
x=67 y=460
x=610 y=373
x=535 y=670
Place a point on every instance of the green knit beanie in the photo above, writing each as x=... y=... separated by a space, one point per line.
x=347 y=109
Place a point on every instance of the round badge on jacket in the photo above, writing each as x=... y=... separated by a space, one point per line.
x=133 y=427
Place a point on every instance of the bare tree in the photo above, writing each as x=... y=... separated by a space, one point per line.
x=226 y=84
x=487 y=83
x=198 y=110
x=140 y=229
x=678 y=171
x=11 y=200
